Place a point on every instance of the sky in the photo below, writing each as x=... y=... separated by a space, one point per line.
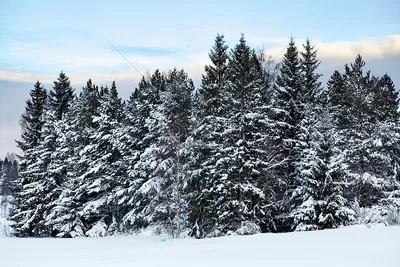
x=39 y=38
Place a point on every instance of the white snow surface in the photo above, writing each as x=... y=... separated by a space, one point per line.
x=346 y=247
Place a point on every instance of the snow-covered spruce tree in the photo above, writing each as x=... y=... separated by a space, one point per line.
x=337 y=100
x=386 y=100
x=317 y=200
x=303 y=191
x=382 y=177
x=63 y=219
x=333 y=209
x=248 y=142
x=61 y=95
x=311 y=85
x=178 y=100
x=134 y=138
x=43 y=184
x=227 y=181
x=89 y=101
x=40 y=189
x=103 y=169
x=288 y=113
x=32 y=118
x=31 y=129
x=156 y=200
x=50 y=183
x=358 y=124
x=207 y=168
x=58 y=169
x=138 y=108
x=77 y=128
x=365 y=113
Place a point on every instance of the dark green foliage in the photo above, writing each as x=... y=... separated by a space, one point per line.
x=309 y=65
x=32 y=118
x=386 y=100
x=61 y=95
x=89 y=102
x=215 y=79
x=8 y=175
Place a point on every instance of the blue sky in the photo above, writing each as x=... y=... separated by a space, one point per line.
x=39 y=38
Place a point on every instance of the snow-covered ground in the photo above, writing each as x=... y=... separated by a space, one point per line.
x=347 y=247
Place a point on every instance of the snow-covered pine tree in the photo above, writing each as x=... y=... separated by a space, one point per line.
x=61 y=95
x=134 y=138
x=89 y=103
x=303 y=192
x=104 y=170
x=288 y=113
x=311 y=84
x=78 y=128
x=32 y=121
x=318 y=200
x=38 y=180
x=42 y=187
x=156 y=200
x=248 y=143
x=207 y=167
x=386 y=100
x=63 y=219
x=366 y=115
x=358 y=126
x=337 y=100
x=39 y=190
x=32 y=118
x=51 y=181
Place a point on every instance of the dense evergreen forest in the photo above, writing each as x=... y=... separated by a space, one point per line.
x=260 y=146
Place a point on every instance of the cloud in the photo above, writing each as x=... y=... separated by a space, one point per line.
x=332 y=53
x=371 y=48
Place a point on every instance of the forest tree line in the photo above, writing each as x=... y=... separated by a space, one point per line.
x=258 y=147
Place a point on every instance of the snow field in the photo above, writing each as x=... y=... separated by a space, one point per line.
x=346 y=247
